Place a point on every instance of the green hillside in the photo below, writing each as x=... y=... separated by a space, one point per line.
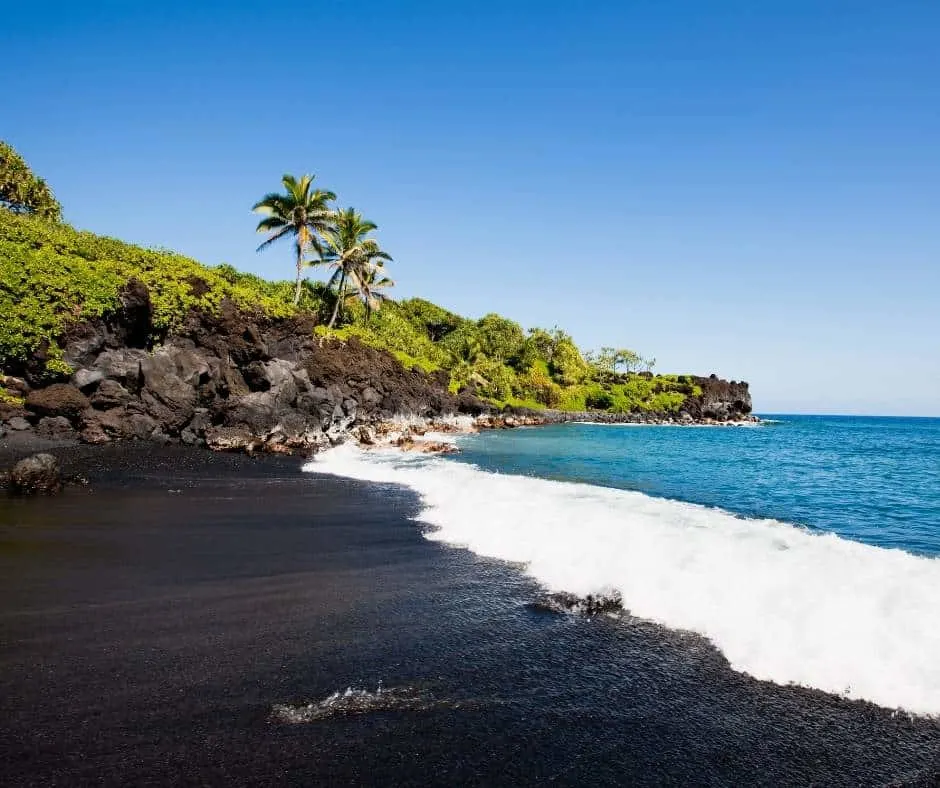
x=52 y=275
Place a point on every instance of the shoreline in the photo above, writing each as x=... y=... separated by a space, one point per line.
x=184 y=597
x=428 y=434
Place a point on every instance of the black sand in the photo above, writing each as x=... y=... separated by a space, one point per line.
x=150 y=622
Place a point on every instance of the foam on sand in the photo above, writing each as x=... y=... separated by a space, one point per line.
x=782 y=603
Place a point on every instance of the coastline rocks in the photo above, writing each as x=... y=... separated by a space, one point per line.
x=122 y=366
x=59 y=399
x=238 y=381
x=591 y=605
x=110 y=394
x=35 y=475
x=86 y=378
x=55 y=428
x=408 y=443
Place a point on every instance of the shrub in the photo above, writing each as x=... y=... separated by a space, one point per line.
x=598 y=399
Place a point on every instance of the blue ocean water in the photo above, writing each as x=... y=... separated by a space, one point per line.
x=807 y=551
x=871 y=479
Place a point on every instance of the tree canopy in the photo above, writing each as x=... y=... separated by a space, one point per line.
x=354 y=259
x=21 y=191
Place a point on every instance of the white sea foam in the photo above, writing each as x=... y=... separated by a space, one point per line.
x=781 y=603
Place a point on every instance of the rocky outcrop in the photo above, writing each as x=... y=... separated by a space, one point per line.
x=720 y=400
x=232 y=381
x=236 y=381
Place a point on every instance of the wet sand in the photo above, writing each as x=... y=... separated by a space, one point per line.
x=152 y=621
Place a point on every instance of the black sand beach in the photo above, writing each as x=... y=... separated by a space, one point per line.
x=154 y=621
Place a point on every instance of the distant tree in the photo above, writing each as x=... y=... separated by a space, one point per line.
x=649 y=363
x=568 y=366
x=465 y=354
x=500 y=337
x=541 y=345
x=626 y=358
x=605 y=360
x=301 y=213
x=542 y=342
x=351 y=255
x=368 y=286
x=23 y=192
x=611 y=360
x=464 y=345
x=629 y=359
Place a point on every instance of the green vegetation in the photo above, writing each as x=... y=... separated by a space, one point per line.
x=52 y=275
x=355 y=260
x=299 y=214
x=23 y=192
x=8 y=397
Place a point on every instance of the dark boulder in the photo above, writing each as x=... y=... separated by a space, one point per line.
x=110 y=394
x=118 y=423
x=86 y=379
x=59 y=399
x=84 y=341
x=36 y=475
x=238 y=438
x=590 y=605
x=165 y=396
x=122 y=365
x=257 y=412
x=55 y=428
x=10 y=410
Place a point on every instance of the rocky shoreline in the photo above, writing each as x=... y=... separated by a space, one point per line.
x=235 y=381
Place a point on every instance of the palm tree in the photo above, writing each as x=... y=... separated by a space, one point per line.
x=369 y=284
x=301 y=213
x=347 y=250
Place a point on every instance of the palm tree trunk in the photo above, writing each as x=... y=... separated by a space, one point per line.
x=300 y=269
x=339 y=298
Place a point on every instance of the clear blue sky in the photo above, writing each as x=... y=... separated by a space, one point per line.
x=744 y=188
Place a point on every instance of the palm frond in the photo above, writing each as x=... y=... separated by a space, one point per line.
x=270 y=223
x=268 y=203
x=283 y=232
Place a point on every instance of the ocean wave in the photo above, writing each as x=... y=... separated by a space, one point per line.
x=782 y=603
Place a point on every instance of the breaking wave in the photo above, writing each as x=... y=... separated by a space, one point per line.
x=782 y=603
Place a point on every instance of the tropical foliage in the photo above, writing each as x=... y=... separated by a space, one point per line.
x=52 y=275
x=23 y=192
x=355 y=260
x=301 y=214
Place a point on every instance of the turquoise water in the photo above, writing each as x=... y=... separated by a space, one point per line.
x=806 y=551
x=874 y=480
